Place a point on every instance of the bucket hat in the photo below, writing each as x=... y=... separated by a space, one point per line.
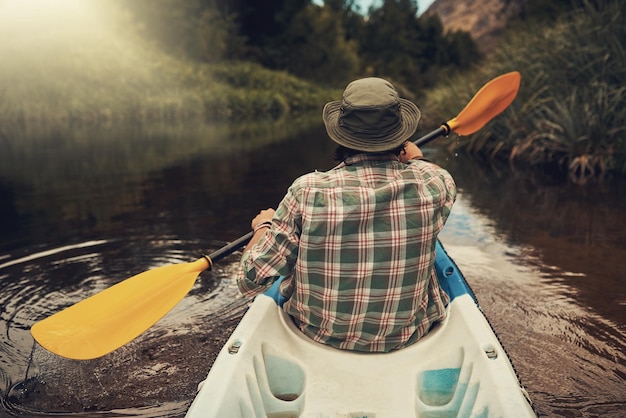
x=371 y=116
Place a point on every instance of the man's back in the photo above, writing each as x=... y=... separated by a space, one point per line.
x=361 y=241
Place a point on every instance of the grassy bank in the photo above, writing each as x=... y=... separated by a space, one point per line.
x=149 y=91
x=570 y=108
x=95 y=74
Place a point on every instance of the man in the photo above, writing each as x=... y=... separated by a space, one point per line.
x=357 y=243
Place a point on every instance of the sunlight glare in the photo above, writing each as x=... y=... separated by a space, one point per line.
x=40 y=11
x=27 y=18
x=55 y=49
x=51 y=29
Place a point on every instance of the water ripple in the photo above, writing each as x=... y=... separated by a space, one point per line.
x=154 y=376
x=50 y=252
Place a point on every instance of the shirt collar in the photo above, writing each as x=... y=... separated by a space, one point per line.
x=363 y=157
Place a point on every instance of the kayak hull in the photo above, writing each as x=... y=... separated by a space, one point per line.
x=268 y=368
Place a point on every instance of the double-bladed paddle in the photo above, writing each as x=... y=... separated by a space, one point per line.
x=117 y=315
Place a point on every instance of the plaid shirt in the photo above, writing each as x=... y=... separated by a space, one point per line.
x=357 y=247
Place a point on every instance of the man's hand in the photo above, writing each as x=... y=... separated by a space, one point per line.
x=411 y=152
x=265 y=215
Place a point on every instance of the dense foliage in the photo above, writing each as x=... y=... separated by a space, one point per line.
x=570 y=109
x=330 y=43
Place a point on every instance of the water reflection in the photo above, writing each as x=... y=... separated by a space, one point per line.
x=91 y=180
x=129 y=202
x=572 y=235
x=556 y=300
x=82 y=210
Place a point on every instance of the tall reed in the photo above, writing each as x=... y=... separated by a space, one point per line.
x=570 y=108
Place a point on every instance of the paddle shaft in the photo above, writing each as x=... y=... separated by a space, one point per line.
x=442 y=130
x=228 y=249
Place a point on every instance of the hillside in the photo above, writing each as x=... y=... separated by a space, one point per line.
x=485 y=20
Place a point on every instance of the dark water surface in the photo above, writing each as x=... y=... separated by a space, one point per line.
x=81 y=210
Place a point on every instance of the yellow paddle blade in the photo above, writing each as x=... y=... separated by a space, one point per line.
x=491 y=100
x=109 y=319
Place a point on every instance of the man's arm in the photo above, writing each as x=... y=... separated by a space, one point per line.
x=258 y=225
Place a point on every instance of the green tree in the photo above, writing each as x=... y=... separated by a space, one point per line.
x=217 y=37
x=462 y=50
x=412 y=50
x=352 y=20
x=391 y=46
x=194 y=29
x=263 y=25
x=316 y=47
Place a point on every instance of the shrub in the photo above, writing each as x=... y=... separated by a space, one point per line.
x=569 y=110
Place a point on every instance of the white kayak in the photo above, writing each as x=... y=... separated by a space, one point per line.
x=268 y=368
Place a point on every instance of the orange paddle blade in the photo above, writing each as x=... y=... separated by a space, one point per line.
x=490 y=101
x=109 y=319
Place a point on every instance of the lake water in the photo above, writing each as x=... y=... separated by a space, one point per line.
x=82 y=209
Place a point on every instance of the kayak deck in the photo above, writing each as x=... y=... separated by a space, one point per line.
x=268 y=368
